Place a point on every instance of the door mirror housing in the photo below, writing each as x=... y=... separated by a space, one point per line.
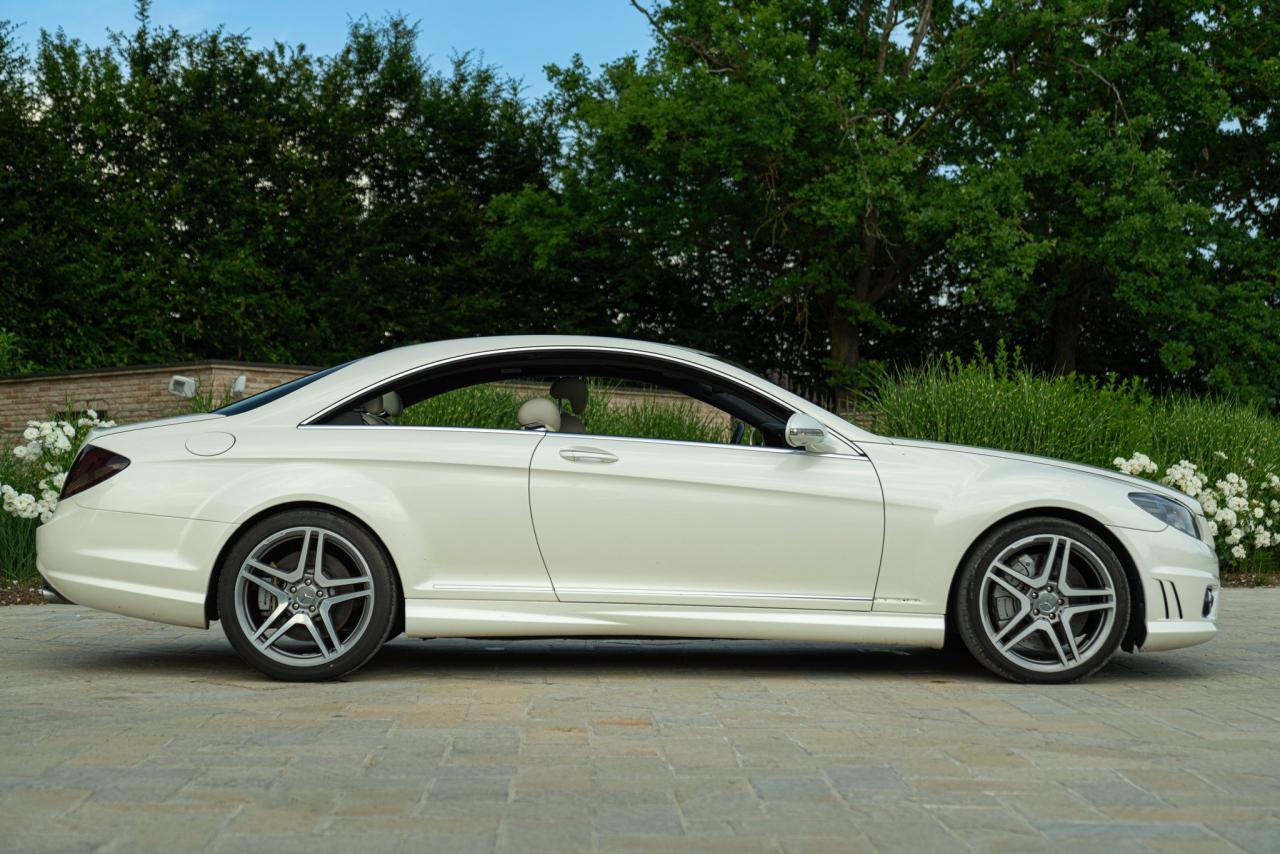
x=807 y=432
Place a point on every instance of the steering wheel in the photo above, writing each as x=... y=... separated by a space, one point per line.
x=739 y=430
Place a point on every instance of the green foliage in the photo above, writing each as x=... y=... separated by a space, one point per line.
x=491 y=406
x=1000 y=402
x=801 y=185
x=11 y=360
x=651 y=418
x=495 y=405
x=17 y=536
x=174 y=196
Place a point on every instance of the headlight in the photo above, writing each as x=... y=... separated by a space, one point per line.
x=1167 y=510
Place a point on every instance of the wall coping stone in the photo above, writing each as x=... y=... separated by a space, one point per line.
x=150 y=369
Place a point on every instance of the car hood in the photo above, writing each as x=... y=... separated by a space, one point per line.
x=1135 y=482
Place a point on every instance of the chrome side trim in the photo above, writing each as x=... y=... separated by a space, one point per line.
x=494 y=588
x=631 y=592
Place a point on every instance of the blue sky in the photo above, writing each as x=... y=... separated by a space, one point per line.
x=520 y=36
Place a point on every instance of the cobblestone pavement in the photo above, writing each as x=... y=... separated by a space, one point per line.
x=121 y=735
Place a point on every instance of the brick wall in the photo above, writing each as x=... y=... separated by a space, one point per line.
x=129 y=394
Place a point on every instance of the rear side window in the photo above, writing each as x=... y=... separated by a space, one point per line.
x=264 y=397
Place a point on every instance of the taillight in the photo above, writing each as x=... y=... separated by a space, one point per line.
x=92 y=467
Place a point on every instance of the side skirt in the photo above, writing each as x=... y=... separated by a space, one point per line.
x=437 y=618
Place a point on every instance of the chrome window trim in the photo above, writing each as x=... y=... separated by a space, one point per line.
x=853 y=449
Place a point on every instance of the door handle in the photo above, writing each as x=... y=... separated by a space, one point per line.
x=587 y=455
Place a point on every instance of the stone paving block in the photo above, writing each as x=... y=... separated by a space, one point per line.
x=121 y=736
x=1252 y=836
x=857 y=781
x=661 y=819
x=544 y=836
x=791 y=787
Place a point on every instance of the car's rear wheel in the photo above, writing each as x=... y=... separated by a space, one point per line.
x=1042 y=600
x=307 y=595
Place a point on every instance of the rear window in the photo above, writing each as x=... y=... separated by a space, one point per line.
x=264 y=397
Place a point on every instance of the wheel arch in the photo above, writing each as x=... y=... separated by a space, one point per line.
x=1136 y=631
x=211 y=594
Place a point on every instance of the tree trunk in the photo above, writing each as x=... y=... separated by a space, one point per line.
x=1066 y=324
x=845 y=342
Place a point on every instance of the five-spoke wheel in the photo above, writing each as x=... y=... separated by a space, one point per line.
x=306 y=595
x=1042 y=600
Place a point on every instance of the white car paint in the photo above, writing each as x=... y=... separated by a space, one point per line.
x=496 y=532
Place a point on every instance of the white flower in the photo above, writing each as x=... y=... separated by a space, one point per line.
x=1238 y=552
x=1138 y=464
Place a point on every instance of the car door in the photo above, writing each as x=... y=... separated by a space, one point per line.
x=686 y=523
x=452 y=503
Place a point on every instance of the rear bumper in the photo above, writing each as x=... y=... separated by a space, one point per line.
x=1180 y=587
x=153 y=567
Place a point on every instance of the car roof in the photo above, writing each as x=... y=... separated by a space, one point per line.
x=372 y=370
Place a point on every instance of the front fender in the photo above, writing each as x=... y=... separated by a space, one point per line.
x=938 y=502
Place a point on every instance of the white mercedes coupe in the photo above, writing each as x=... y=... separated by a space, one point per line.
x=324 y=516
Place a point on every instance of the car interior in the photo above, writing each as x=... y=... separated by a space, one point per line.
x=569 y=379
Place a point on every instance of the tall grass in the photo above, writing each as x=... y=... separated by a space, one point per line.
x=17 y=536
x=495 y=406
x=998 y=402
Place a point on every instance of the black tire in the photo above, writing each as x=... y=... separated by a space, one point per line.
x=368 y=569
x=977 y=614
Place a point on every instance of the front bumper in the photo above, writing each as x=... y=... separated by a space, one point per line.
x=1180 y=587
x=140 y=565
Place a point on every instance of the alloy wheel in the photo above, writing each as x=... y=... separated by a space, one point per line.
x=304 y=596
x=1047 y=603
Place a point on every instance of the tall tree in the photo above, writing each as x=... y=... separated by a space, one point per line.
x=174 y=196
x=787 y=157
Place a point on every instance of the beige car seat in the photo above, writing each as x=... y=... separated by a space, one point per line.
x=575 y=391
x=540 y=413
x=381 y=409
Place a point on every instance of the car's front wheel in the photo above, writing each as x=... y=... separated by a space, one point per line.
x=307 y=595
x=1042 y=600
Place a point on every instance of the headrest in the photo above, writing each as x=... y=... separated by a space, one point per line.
x=539 y=412
x=573 y=390
x=388 y=403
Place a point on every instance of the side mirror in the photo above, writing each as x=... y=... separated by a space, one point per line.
x=806 y=432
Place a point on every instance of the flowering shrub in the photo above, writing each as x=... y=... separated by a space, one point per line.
x=39 y=465
x=1244 y=518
